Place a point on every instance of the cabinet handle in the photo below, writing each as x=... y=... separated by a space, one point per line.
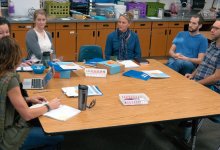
x=176 y=24
x=93 y=33
x=21 y=26
x=86 y=25
x=166 y=32
x=58 y=34
x=160 y=24
x=66 y=26
x=13 y=35
x=170 y=32
x=142 y=24
x=105 y=25
x=98 y=33
x=52 y=34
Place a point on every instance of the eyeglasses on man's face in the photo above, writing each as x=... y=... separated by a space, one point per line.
x=215 y=28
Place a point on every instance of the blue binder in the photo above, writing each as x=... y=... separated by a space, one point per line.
x=137 y=74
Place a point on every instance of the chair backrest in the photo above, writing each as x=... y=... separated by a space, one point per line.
x=87 y=52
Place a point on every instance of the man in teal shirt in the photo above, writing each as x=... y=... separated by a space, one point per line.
x=188 y=48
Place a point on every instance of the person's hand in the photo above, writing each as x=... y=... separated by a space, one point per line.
x=26 y=63
x=182 y=57
x=29 y=62
x=189 y=76
x=177 y=55
x=36 y=99
x=54 y=103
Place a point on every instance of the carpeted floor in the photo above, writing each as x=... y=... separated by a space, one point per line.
x=140 y=137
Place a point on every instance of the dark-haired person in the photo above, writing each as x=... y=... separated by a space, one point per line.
x=15 y=132
x=188 y=48
x=123 y=43
x=5 y=31
x=208 y=72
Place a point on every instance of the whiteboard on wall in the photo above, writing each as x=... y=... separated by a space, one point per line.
x=22 y=6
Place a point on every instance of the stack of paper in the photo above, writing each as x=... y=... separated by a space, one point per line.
x=156 y=74
x=62 y=113
x=128 y=63
x=73 y=91
x=69 y=66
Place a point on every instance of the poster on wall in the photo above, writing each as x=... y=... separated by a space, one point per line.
x=4 y=3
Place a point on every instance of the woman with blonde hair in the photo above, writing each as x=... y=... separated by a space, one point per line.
x=123 y=43
x=38 y=40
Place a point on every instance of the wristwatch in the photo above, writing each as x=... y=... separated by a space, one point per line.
x=48 y=107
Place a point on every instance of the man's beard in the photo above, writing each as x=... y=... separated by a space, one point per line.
x=192 y=30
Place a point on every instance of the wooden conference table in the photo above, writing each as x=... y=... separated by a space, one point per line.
x=170 y=99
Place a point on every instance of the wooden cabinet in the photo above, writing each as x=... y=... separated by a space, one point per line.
x=103 y=30
x=162 y=35
x=143 y=29
x=93 y=33
x=173 y=30
x=51 y=27
x=65 y=41
x=18 y=31
x=86 y=34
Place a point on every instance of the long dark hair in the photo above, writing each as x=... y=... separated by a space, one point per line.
x=10 y=55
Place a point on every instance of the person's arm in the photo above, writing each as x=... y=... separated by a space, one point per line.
x=202 y=49
x=108 y=47
x=212 y=79
x=193 y=60
x=21 y=106
x=172 y=51
x=137 y=49
x=32 y=44
x=191 y=76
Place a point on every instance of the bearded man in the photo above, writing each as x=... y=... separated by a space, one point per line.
x=188 y=48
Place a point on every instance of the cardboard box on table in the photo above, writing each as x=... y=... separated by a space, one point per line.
x=112 y=67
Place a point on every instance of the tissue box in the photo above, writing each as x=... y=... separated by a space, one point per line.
x=112 y=67
x=62 y=74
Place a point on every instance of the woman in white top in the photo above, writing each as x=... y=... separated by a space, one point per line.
x=38 y=40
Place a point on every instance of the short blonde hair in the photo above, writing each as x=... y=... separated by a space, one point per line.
x=128 y=16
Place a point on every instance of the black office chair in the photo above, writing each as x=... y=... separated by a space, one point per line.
x=88 y=52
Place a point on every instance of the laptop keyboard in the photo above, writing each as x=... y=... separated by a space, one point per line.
x=36 y=83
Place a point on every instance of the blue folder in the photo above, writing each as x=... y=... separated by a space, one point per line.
x=137 y=74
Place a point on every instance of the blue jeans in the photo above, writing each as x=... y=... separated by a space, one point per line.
x=181 y=66
x=37 y=138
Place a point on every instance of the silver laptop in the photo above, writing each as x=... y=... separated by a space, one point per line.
x=38 y=83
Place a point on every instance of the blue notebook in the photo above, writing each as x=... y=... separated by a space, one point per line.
x=137 y=74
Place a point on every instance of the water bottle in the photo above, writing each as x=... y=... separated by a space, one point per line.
x=82 y=97
x=46 y=58
x=11 y=9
